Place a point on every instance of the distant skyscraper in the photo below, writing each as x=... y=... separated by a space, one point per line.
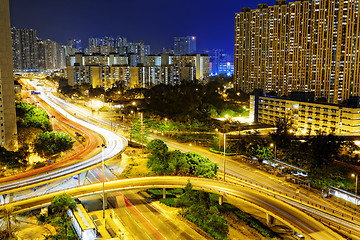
x=184 y=45
x=24 y=48
x=73 y=46
x=8 y=131
x=51 y=55
x=310 y=46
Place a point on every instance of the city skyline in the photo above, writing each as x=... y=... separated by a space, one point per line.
x=158 y=24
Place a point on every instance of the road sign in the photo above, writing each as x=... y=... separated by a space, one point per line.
x=34 y=93
x=75 y=177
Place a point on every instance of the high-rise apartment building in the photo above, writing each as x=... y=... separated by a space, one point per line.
x=8 y=130
x=184 y=45
x=51 y=55
x=104 y=70
x=308 y=46
x=73 y=46
x=24 y=48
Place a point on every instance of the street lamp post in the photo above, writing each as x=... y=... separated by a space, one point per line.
x=356 y=181
x=103 y=176
x=273 y=145
x=52 y=122
x=224 y=153
x=141 y=134
x=226 y=117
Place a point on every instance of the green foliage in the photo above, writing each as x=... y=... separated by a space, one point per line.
x=163 y=162
x=30 y=116
x=140 y=135
x=248 y=219
x=324 y=149
x=13 y=159
x=201 y=211
x=65 y=229
x=261 y=153
x=60 y=204
x=104 y=109
x=171 y=202
x=50 y=143
x=8 y=218
x=282 y=136
x=58 y=217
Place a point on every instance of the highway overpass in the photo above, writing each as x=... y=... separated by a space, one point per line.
x=233 y=193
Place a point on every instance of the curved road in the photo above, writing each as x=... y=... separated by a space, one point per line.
x=115 y=144
x=234 y=193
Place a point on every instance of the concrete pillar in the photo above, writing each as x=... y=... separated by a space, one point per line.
x=105 y=200
x=221 y=199
x=164 y=192
x=85 y=176
x=11 y=197
x=270 y=220
x=4 y=196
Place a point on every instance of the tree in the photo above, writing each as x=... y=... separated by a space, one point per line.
x=138 y=133
x=61 y=204
x=162 y=162
x=58 y=216
x=262 y=153
x=50 y=143
x=324 y=149
x=30 y=116
x=283 y=135
x=9 y=218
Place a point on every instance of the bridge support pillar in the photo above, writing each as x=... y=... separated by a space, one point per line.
x=270 y=220
x=105 y=200
x=85 y=176
x=11 y=197
x=221 y=199
x=164 y=192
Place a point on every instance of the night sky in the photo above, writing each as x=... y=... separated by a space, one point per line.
x=156 y=22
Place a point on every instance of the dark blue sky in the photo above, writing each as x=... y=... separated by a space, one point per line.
x=156 y=22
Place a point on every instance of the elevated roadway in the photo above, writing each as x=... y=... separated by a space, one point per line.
x=115 y=144
x=234 y=193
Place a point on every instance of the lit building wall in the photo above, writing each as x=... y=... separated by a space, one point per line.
x=8 y=130
x=308 y=116
x=303 y=46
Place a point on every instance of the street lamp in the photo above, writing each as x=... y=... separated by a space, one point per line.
x=224 y=153
x=103 y=175
x=52 y=121
x=356 y=181
x=273 y=145
x=226 y=116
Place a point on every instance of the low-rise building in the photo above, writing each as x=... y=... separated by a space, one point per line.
x=306 y=114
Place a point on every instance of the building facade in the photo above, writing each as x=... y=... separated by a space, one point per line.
x=104 y=70
x=184 y=45
x=24 y=48
x=32 y=54
x=301 y=46
x=8 y=130
x=306 y=116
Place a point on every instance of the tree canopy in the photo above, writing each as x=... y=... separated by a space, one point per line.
x=50 y=143
x=165 y=162
x=30 y=116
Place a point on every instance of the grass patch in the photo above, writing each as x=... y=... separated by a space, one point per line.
x=222 y=152
x=203 y=210
x=136 y=168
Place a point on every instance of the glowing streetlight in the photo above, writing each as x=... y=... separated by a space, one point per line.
x=274 y=146
x=103 y=176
